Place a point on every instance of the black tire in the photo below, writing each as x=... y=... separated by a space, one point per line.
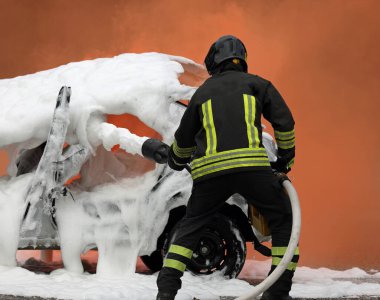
x=221 y=248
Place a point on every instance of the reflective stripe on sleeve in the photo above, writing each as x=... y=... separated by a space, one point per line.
x=182 y=152
x=177 y=163
x=284 y=135
x=285 y=139
x=291 y=163
x=286 y=144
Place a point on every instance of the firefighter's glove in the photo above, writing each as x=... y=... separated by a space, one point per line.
x=285 y=160
x=155 y=150
x=280 y=165
x=173 y=161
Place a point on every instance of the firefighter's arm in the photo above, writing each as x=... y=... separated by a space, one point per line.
x=184 y=138
x=278 y=114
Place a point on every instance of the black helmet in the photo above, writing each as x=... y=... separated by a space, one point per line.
x=226 y=47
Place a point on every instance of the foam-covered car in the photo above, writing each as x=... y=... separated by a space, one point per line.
x=77 y=181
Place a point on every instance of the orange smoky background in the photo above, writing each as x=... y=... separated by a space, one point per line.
x=323 y=56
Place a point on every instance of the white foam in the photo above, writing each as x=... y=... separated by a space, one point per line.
x=112 y=199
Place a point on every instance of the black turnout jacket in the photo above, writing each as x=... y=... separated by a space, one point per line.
x=220 y=131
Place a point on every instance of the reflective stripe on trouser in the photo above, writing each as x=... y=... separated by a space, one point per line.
x=283 y=285
x=205 y=200
x=175 y=252
x=279 y=252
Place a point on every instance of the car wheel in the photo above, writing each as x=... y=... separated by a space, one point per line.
x=221 y=247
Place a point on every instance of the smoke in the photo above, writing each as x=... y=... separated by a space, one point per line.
x=43 y=34
x=321 y=55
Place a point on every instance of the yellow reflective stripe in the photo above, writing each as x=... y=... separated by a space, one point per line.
x=213 y=132
x=213 y=170
x=174 y=264
x=291 y=163
x=276 y=261
x=233 y=161
x=257 y=140
x=289 y=146
x=206 y=127
x=227 y=158
x=177 y=163
x=249 y=128
x=230 y=154
x=286 y=144
x=285 y=139
x=280 y=251
x=230 y=164
x=284 y=135
x=209 y=126
x=182 y=149
x=182 y=152
x=250 y=116
x=181 y=251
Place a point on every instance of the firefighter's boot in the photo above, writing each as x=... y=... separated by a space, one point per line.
x=268 y=296
x=165 y=296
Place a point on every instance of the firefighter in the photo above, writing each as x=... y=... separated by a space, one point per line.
x=220 y=133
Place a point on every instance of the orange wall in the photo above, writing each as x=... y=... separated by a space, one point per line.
x=322 y=55
x=3 y=162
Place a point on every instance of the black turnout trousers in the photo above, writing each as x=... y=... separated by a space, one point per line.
x=262 y=189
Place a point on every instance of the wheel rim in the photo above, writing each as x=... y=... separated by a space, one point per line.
x=221 y=248
x=210 y=254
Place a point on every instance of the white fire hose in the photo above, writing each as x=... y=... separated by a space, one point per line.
x=293 y=243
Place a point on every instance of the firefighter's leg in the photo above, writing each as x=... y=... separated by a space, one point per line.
x=280 y=240
x=264 y=191
x=206 y=198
